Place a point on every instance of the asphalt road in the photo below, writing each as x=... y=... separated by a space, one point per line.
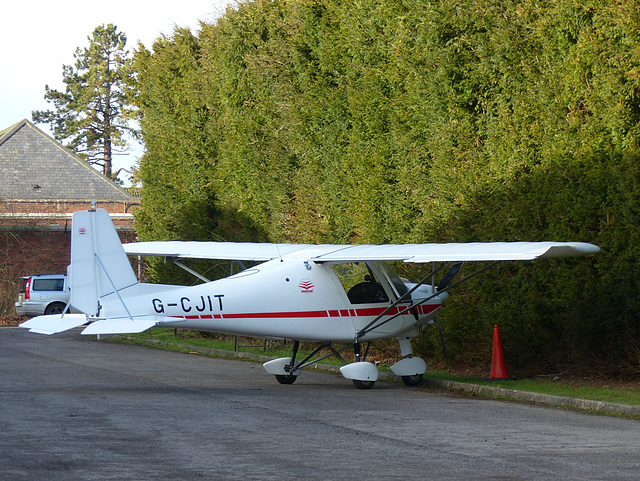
x=75 y=408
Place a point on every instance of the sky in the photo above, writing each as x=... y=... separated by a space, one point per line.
x=39 y=37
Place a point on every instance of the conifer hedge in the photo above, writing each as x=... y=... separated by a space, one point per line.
x=392 y=121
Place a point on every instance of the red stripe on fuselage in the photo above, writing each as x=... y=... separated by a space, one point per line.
x=275 y=315
x=361 y=312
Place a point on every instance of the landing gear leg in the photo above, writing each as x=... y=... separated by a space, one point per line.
x=289 y=378
x=296 y=346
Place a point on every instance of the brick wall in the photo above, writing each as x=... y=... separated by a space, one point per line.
x=35 y=239
x=18 y=214
x=66 y=206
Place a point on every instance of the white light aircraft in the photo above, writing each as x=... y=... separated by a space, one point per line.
x=327 y=294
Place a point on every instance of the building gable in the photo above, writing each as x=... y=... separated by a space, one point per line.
x=35 y=167
x=42 y=184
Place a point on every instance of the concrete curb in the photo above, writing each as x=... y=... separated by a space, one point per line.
x=514 y=394
x=547 y=399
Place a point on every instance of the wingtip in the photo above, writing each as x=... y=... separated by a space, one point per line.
x=586 y=248
x=570 y=249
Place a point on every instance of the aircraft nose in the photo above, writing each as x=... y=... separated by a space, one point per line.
x=443 y=296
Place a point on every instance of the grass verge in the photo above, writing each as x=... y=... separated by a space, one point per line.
x=177 y=340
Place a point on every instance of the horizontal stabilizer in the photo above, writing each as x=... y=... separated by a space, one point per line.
x=54 y=323
x=119 y=326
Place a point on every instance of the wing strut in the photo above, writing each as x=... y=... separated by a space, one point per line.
x=189 y=269
x=375 y=324
x=197 y=274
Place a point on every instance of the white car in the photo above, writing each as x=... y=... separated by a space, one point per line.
x=43 y=294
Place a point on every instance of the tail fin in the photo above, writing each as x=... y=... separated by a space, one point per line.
x=99 y=265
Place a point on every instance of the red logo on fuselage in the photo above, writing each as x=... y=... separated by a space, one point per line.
x=306 y=285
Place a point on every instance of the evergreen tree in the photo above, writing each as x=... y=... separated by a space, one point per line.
x=96 y=110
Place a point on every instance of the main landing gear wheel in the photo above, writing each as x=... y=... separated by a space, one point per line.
x=286 y=378
x=363 y=384
x=414 y=380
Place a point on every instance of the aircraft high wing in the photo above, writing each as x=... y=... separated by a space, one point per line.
x=322 y=293
x=417 y=253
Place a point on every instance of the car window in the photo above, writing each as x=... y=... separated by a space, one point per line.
x=53 y=284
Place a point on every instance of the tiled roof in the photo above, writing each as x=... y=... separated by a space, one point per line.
x=34 y=166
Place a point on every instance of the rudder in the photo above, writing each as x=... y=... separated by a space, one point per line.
x=98 y=261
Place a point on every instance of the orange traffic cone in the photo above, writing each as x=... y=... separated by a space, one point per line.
x=498 y=367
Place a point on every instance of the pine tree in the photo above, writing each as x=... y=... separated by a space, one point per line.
x=96 y=111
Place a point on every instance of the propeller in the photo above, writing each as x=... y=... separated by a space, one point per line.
x=448 y=277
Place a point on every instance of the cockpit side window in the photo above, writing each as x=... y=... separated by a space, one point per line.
x=360 y=283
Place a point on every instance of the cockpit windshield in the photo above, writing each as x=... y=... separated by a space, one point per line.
x=399 y=287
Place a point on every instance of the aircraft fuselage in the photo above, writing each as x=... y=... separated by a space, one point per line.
x=287 y=299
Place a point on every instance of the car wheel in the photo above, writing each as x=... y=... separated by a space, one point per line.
x=55 y=308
